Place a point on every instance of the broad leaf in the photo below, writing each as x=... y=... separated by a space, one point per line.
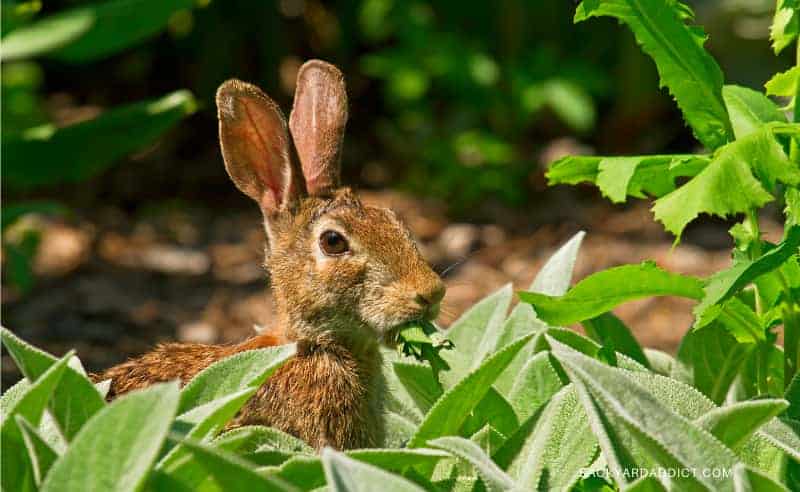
x=784 y=83
x=604 y=290
x=492 y=476
x=41 y=455
x=244 y=370
x=348 y=475
x=610 y=331
x=636 y=431
x=75 y=400
x=691 y=74
x=748 y=480
x=749 y=110
x=453 y=408
x=117 y=447
x=536 y=383
x=734 y=424
x=113 y=134
x=420 y=383
x=727 y=185
x=91 y=32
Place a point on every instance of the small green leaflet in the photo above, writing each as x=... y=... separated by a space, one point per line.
x=604 y=290
x=784 y=83
x=423 y=341
x=749 y=110
x=692 y=75
x=785 y=25
x=724 y=284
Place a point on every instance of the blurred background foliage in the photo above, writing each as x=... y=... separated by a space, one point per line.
x=111 y=103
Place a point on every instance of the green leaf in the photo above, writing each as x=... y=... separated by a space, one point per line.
x=792 y=395
x=306 y=472
x=41 y=455
x=92 y=32
x=792 y=210
x=709 y=359
x=89 y=146
x=604 y=290
x=493 y=410
x=420 y=383
x=553 y=279
x=536 y=383
x=734 y=424
x=559 y=449
x=784 y=83
x=783 y=433
x=749 y=110
x=692 y=76
x=453 y=408
x=75 y=400
x=348 y=475
x=727 y=185
x=573 y=169
x=785 y=25
x=492 y=476
x=724 y=284
x=262 y=445
x=748 y=480
x=610 y=331
x=16 y=469
x=117 y=447
x=229 y=472
x=636 y=431
x=243 y=370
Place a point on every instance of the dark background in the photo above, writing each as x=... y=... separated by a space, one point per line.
x=456 y=109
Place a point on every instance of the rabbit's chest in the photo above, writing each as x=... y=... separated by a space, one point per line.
x=325 y=399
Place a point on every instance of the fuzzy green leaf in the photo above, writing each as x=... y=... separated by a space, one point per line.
x=492 y=476
x=117 y=447
x=749 y=110
x=75 y=400
x=247 y=369
x=536 y=383
x=748 y=480
x=453 y=408
x=604 y=290
x=41 y=455
x=610 y=331
x=734 y=424
x=348 y=475
x=691 y=74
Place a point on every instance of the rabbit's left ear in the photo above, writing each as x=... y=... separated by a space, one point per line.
x=317 y=124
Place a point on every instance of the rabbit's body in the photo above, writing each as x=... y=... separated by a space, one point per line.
x=344 y=275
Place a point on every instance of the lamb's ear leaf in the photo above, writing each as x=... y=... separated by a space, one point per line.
x=255 y=145
x=746 y=479
x=42 y=456
x=734 y=424
x=317 y=124
x=492 y=476
x=75 y=399
x=348 y=475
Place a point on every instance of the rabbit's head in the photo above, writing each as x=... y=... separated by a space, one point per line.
x=337 y=267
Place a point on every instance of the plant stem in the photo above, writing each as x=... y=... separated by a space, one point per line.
x=791 y=342
x=754 y=251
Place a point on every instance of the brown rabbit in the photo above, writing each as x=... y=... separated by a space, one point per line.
x=343 y=274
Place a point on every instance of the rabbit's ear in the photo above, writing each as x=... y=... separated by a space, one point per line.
x=317 y=123
x=255 y=145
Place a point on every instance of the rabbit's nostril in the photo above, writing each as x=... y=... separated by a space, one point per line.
x=432 y=296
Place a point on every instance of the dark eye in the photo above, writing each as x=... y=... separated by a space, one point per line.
x=333 y=243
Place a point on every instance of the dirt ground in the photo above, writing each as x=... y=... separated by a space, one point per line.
x=111 y=285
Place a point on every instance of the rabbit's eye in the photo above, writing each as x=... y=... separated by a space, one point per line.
x=333 y=243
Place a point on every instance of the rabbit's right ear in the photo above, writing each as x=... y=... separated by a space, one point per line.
x=255 y=145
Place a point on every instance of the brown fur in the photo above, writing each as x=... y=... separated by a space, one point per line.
x=336 y=308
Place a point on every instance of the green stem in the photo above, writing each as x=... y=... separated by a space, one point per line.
x=754 y=251
x=791 y=342
x=794 y=149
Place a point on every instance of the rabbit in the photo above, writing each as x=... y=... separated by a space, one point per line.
x=344 y=275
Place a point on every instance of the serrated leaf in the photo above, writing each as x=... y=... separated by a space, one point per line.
x=453 y=408
x=636 y=431
x=748 y=480
x=492 y=476
x=785 y=25
x=348 y=475
x=610 y=331
x=91 y=32
x=16 y=470
x=243 y=370
x=724 y=284
x=692 y=76
x=114 y=134
x=734 y=424
x=727 y=185
x=559 y=449
x=117 y=447
x=784 y=83
x=75 y=399
x=41 y=455
x=749 y=110
x=602 y=291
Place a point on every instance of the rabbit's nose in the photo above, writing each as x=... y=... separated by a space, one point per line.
x=432 y=295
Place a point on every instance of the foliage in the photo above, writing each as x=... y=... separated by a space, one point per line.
x=578 y=414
